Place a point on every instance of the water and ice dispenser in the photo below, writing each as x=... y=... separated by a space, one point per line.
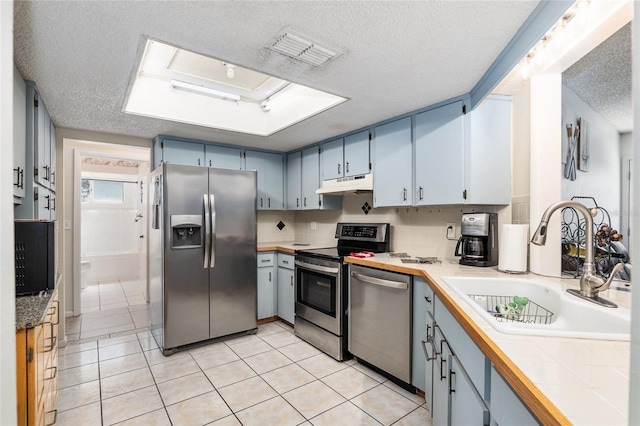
x=186 y=231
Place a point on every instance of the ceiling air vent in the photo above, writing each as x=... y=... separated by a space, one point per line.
x=308 y=51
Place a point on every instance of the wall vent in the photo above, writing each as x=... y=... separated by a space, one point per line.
x=296 y=46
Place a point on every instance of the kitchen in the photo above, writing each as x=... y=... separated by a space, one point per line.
x=407 y=219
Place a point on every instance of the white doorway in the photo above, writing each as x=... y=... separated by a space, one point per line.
x=112 y=233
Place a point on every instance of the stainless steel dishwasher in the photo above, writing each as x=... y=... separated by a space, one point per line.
x=380 y=319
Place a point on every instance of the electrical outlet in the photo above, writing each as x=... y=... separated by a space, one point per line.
x=451 y=230
x=314 y=225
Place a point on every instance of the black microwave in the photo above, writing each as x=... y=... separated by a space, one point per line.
x=35 y=246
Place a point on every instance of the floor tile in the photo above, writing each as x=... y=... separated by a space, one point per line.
x=121 y=365
x=350 y=382
x=78 y=395
x=148 y=343
x=369 y=372
x=200 y=410
x=384 y=404
x=322 y=365
x=242 y=339
x=281 y=339
x=412 y=396
x=214 y=355
x=344 y=414
x=86 y=415
x=77 y=359
x=106 y=331
x=287 y=378
x=117 y=340
x=75 y=348
x=121 y=349
x=106 y=321
x=274 y=411
x=155 y=356
x=418 y=417
x=246 y=349
x=246 y=393
x=269 y=328
x=129 y=405
x=173 y=369
x=226 y=421
x=176 y=390
x=77 y=375
x=154 y=418
x=229 y=373
x=267 y=361
x=313 y=399
x=126 y=382
x=299 y=351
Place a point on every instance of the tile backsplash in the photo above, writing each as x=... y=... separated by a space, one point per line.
x=419 y=231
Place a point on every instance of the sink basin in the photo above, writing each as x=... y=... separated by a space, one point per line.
x=571 y=316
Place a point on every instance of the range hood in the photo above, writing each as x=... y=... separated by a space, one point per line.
x=347 y=185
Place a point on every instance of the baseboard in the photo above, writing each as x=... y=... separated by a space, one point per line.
x=267 y=320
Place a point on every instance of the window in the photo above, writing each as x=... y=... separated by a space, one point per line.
x=102 y=191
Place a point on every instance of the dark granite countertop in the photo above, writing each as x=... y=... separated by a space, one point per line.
x=30 y=310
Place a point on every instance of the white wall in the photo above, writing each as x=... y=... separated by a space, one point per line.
x=8 y=414
x=602 y=181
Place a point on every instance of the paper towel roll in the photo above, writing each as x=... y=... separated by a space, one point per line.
x=514 y=242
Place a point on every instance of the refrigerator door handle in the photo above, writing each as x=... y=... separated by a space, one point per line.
x=212 y=198
x=207 y=232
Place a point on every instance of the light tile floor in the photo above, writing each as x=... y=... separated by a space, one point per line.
x=111 y=294
x=271 y=378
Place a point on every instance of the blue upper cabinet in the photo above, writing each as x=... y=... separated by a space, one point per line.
x=333 y=159
x=294 y=180
x=439 y=135
x=310 y=178
x=269 y=167
x=356 y=154
x=392 y=172
x=222 y=157
x=180 y=152
x=488 y=153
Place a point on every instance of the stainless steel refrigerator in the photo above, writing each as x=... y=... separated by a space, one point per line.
x=202 y=254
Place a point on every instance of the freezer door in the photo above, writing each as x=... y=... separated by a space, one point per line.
x=233 y=276
x=186 y=285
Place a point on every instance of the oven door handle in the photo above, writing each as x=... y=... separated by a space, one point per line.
x=379 y=281
x=317 y=268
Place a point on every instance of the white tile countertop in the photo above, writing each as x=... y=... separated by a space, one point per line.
x=586 y=380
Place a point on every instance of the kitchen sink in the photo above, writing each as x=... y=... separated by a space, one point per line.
x=553 y=311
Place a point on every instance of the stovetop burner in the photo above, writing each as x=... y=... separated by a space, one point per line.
x=353 y=238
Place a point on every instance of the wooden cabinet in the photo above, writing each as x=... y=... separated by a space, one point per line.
x=269 y=167
x=286 y=287
x=37 y=369
x=267 y=289
x=345 y=157
x=392 y=171
x=37 y=180
x=463 y=159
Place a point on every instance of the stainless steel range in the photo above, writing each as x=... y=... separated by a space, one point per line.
x=321 y=285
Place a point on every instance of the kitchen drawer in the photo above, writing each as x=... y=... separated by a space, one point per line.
x=285 y=261
x=265 y=259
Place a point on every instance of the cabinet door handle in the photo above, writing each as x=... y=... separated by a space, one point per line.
x=209 y=163
x=297 y=202
x=53 y=178
x=198 y=161
x=269 y=276
x=46 y=173
x=426 y=354
x=286 y=262
x=54 y=339
x=338 y=168
x=442 y=361
x=452 y=378
x=404 y=194
x=19 y=178
x=428 y=299
x=420 y=193
x=48 y=204
x=55 y=416
x=347 y=167
x=292 y=280
x=305 y=202
x=53 y=204
x=264 y=260
x=55 y=373
x=261 y=202
x=269 y=202
x=53 y=310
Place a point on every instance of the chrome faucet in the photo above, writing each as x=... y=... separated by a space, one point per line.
x=590 y=283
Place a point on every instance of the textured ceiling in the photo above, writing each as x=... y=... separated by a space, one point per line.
x=602 y=79
x=398 y=56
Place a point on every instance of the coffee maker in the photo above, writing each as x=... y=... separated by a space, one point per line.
x=478 y=243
